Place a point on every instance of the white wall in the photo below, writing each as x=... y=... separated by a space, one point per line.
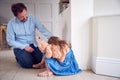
x=5 y=8
x=106 y=7
x=109 y=36
x=106 y=38
x=64 y=27
x=81 y=12
x=106 y=45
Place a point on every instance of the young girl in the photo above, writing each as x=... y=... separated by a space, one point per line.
x=60 y=60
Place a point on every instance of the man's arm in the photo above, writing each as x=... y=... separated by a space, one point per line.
x=11 y=38
x=42 y=29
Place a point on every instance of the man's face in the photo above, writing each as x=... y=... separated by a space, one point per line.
x=22 y=16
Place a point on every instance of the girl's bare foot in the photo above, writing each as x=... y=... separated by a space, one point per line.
x=45 y=74
x=38 y=66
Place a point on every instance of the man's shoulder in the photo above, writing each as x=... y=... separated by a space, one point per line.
x=31 y=16
x=12 y=20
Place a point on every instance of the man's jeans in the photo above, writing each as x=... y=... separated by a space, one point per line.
x=26 y=59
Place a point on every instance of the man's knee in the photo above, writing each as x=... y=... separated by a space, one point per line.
x=26 y=65
x=26 y=62
x=23 y=58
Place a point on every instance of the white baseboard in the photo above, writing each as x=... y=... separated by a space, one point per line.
x=107 y=66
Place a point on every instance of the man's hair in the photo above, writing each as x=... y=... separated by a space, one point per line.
x=18 y=8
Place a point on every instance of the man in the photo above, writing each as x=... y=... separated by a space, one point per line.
x=21 y=35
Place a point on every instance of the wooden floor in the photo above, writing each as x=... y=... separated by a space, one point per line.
x=10 y=70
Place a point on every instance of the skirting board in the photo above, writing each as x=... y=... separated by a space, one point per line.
x=107 y=66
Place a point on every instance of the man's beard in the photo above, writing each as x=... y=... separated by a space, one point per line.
x=24 y=19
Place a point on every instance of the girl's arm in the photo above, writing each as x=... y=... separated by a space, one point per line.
x=48 y=51
x=64 y=52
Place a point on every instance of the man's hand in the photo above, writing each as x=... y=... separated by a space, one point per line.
x=38 y=40
x=29 y=49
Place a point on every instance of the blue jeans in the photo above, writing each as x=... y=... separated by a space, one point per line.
x=26 y=59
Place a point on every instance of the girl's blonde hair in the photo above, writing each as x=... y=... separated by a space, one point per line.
x=54 y=40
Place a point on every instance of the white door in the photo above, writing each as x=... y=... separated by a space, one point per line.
x=45 y=10
x=47 y=14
